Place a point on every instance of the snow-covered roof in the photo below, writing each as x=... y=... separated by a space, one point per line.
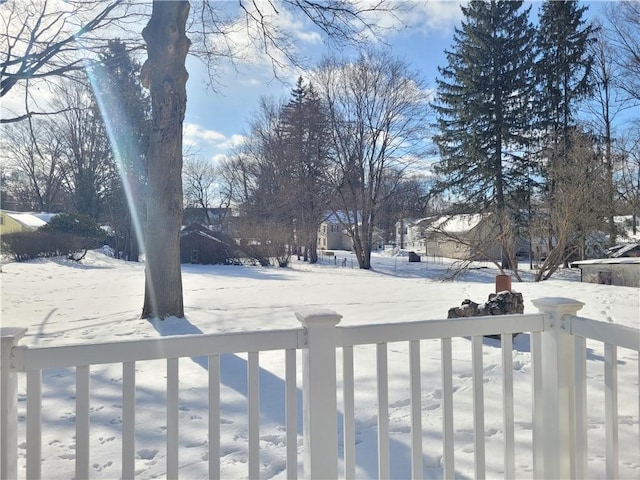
x=608 y=261
x=620 y=252
x=46 y=217
x=203 y=232
x=457 y=223
x=29 y=220
x=340 y=217
x=412 y=222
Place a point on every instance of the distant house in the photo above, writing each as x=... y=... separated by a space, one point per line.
x=12 y=222
x=465 y=236
x=216 y=218
x=623 y=271
x=410 y=233
x=333 y=236
x=200 y=245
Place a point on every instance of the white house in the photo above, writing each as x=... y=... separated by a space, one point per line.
x=410 y=233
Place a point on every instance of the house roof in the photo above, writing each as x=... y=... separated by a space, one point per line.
x=340 y=217
x=29 y=219
x=608 y=261
x=457 y=223
x=201 y=230
x=624 y=249
x=412 y=222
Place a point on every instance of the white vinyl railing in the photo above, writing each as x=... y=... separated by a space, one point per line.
x=558 y=349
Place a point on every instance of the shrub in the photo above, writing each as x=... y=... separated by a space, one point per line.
x=80 y=225
x=86 y=232
x=23 y=246
x=66 y=234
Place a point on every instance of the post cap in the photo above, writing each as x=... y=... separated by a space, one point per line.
x=12 y=334
x=318 y=317
x=558 y=305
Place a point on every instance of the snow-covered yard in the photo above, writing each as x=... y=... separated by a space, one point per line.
x=64 y=303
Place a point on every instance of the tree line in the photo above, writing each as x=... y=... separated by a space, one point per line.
x=526 y=117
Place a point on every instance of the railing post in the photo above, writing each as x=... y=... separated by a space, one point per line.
x=319 y=394
x=9 y=338
x=558 y=379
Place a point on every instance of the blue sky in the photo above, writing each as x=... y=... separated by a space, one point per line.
x=215 y=120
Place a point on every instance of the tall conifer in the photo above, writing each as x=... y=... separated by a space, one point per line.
x=483 y=110
x=563 y=75
x=563 y=39
x=305 y=132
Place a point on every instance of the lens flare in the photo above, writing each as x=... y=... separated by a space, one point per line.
x=125 y=151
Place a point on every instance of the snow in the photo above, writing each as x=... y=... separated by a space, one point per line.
x=457 y=223
x=29 y=220
x=609 y=261
x=99 y=300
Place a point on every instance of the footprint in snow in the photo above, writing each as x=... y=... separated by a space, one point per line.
x=146 y=454
x=195 y=444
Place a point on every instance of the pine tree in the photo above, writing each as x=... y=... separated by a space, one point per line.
x=483 y=110
x=125 y=110
x=563 y=71
x=563 y=76
x=305 y=131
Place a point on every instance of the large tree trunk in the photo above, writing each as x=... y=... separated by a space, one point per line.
x=165 y=75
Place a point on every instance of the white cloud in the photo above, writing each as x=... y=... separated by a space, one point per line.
x=232 y=142
x=248 y=43
x=438 y=16
x=206 y=143
x=195 y=135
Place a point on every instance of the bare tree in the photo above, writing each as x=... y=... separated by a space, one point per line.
x=624 y=33
x=34 y=150
x=199 y=179
x=609 y=101
x=43 y=40
x=237 y=175
x=89 y=169
x=271 y=202
x=378 y=110
x=165 y=75
x=629 y=176
x=576 y=208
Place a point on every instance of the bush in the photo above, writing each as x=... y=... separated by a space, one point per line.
x=80 y=225
x=66 y=234
x=86 y=232
x=23 y=246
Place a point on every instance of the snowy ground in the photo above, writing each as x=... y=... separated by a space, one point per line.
x=62 y=303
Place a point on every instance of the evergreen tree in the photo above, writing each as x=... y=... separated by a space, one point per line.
x=483 y=110
x=563 y=70
x=305 y=132
x=563 y=75
x=125 y=110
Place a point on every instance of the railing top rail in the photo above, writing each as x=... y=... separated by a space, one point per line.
x=446 y=328
x=37 y=358
x=611 y=333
